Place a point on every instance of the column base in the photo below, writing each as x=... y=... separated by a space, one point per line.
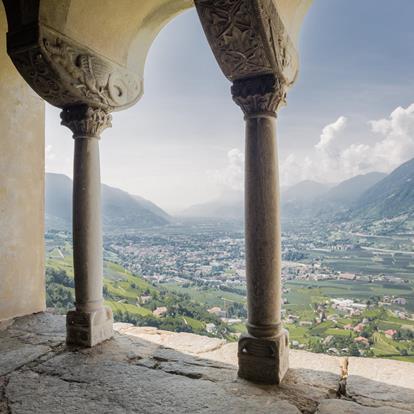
x=88 y=329
x=264 y=360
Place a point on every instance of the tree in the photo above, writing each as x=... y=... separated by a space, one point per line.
x=353 y=350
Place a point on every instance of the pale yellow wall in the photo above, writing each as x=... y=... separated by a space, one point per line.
x=22 y=285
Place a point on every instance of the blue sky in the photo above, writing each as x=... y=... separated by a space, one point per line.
x=183 y=142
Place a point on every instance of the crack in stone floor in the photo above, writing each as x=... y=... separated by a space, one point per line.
x=4 y=402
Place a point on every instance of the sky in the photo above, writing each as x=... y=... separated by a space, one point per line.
x=350 y=112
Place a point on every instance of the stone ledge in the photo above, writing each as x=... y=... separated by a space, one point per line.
x=182 y=341
x=349 y=407
x=146 y=370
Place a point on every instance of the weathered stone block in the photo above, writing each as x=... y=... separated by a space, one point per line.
x=264 y=360
x=89 y=328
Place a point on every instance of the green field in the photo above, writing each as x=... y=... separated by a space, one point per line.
x=362 y=261
x=304 y=293
x=207 y=296
x=126 y=307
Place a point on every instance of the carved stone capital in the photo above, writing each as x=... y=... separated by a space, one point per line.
x=261 y=95
x=85 y=122
x=66 y=73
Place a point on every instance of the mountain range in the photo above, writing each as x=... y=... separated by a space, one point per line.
x=373 y=195
x=119 y=208
x=228 y=205
x=391 y=197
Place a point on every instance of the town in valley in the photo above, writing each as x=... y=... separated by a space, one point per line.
x=346 y=290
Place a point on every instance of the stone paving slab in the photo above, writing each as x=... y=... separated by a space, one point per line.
x=124 y=388
x=43 y=324
x=14 y=354
x=380 y=382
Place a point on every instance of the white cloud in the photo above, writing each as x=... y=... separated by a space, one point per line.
x=321 y=164
x=294 y=169
x=232 y=175
x=397 y=145
x=330 y=133
x=334 y=160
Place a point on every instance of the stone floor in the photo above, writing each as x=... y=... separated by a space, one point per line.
x=144 y=370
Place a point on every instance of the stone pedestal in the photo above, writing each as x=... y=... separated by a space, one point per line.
x=91 y=322
x=264 y=360
x=89 y=328
x=263 y=353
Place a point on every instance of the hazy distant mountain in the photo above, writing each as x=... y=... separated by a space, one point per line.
x=58 y=201
x=390 y=197
x=302 y=199
x=371 y=195
x=307 y=198
x=120 y=209
x=347 y=193
x=305 y=191
x=149 y=205
x=228 y=205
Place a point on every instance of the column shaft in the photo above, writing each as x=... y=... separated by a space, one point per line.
x=87 y=233
x=262 y=227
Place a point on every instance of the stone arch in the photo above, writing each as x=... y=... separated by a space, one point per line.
x=86 y=52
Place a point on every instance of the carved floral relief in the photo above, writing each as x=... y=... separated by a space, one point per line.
x=66 y=74
x=248 y=38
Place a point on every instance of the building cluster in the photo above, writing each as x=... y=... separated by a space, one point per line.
x=348 y=306
x=213 y=260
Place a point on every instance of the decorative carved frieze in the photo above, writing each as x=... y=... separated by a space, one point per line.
x=281 y=51
x=65 y=74
x=259 y=95
x=85 y=121
x=232 y=30
x=248 y=38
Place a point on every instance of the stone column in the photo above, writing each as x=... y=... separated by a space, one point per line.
x=91 y=322
x=263 y=352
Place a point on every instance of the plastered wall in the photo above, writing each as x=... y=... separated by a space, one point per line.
x=22 y=284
